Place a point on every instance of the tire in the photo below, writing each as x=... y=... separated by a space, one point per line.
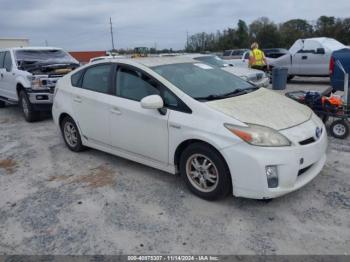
x=2 y=104
x=218 y=185
x=290 y=77
x=71 y=135
x=340 y=129
x=29 y=114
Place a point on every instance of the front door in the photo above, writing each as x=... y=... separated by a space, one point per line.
x=134 y=129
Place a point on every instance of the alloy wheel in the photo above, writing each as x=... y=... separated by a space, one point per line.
x=202 y=173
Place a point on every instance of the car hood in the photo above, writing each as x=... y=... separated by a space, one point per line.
x=263 y=107
x=241 y=71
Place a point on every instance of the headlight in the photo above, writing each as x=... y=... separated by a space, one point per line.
x=259 y=135
x=37 y=82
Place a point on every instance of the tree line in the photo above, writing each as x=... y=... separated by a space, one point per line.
x=269 y=34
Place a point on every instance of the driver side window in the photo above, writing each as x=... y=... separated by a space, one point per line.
x=134 y=85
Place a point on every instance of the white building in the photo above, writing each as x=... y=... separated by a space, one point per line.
x=13 y=42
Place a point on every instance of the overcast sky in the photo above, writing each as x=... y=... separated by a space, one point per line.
x=84 y=24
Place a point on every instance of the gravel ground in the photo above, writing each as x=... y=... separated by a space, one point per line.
x=54 y=201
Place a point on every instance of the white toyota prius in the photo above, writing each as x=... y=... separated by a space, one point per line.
x=222 y=134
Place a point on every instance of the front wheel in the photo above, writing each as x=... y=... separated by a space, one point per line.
x=205 y=172
x=340 y=129
x=30 y=115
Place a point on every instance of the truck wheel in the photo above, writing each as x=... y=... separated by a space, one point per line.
x=2 y=104
x=29 y=114
x=340 y=129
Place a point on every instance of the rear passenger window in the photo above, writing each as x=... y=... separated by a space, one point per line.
x=97 y=78
x=7 y=61
x=75 y=79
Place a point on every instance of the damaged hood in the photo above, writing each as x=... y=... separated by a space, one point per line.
x=263 y=107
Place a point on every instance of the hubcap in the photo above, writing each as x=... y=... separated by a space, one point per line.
x=202 y=173
x=70 y=134
x=25 y=106
x=339 y=130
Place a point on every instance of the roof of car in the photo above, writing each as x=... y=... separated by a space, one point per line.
x=156 y=61
x=34 y=48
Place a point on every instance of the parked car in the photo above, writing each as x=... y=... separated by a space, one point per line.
x=233 y=54
x=308 y=57
x=275 y=52
x=28 y=76
x=257 y=77
x=336 y=73
x=222 y=134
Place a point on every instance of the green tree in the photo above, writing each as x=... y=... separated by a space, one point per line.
x=242 y=35
x=293 y=30
x=265 y=32
x=325 y=26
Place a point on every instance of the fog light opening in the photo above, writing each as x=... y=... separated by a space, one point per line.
x=272 y=176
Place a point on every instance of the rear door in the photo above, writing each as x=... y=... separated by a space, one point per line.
x=92 y=102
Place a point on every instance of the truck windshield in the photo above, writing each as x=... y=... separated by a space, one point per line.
x=204 y=82
x=53 y=56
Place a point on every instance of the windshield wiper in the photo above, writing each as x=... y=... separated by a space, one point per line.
x=236 y=92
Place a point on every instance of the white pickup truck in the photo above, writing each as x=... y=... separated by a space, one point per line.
x=28 y=77
x=308 y=57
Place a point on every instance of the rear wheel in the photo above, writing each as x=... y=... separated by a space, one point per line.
x=205 y=172
x=340 y=129
x=30 y=115
x=71 y=135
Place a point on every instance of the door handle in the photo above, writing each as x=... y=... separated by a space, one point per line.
x=304 y=57
x=116 y=111
x=77 y=99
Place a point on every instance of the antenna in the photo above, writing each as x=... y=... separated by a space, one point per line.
x=112 y=38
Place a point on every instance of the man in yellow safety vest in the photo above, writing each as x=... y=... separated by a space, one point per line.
x=257 y=59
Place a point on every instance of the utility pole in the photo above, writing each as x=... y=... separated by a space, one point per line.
x=112 y=38
x=186 y=39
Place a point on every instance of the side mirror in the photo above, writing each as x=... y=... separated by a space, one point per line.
x=320 y=51
x=152 y=102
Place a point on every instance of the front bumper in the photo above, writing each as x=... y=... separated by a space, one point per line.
x=297 y=165
x=41 y=97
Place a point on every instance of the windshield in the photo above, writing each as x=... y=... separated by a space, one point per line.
x=212 y=60
x=56 y=56
x=201 y=81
